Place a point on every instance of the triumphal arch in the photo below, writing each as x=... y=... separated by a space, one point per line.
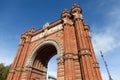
x=69 y=39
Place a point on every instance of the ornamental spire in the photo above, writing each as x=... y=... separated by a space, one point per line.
x=74 y=5
x=76 y=8
x=65 y=13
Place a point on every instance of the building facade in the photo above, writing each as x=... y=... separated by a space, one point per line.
x=69 y=39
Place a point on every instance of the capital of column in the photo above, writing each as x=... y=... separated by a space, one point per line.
x=86 y=26
x=96 y=65
x=28 y=35
x=77 y=16
x=84 y=51
x=19 y=69
x=68 y=56
x=12 y=71
x=29 y=32
x=60 y=60
x=21 y=44
x=27 y=68
x=22 y=40
x=76 y=12
x=75 y=56
x=23 y=36
x=66 y=18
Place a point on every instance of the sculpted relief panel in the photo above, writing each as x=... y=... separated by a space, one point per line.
x=47 y=32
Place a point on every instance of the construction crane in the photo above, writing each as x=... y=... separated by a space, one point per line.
x=110 y=78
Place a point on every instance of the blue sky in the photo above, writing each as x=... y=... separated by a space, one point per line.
x=103 y=17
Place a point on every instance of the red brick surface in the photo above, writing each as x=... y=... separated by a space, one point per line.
x=76 y=57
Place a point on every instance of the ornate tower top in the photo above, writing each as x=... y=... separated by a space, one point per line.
x=65 y=13
x=76 y=12
x=76 y=8
x=66 y=18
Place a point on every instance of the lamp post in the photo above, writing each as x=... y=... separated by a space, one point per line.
x=110 y=78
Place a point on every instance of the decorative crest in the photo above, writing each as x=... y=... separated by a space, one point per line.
x=46 y=25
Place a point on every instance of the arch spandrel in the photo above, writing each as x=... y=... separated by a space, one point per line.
x=55 y=43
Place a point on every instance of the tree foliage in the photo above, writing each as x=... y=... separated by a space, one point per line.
x=4 y=71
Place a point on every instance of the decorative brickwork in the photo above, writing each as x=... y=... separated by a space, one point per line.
x=69 y=39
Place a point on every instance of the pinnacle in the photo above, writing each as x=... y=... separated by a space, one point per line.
x=65 y=11
x=75 y=5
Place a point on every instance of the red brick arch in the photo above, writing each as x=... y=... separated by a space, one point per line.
x=69 y=38
x=55 y=43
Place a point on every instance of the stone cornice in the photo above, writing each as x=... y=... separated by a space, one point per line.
x=96 y=65
x=68 y=56
x=50 y=26
x=60 y=60
x=84 y=51
x=47 y=32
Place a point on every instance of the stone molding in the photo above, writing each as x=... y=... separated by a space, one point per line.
x=68 y=56
x=35 y=70
x=60 y=60
x=67 y=21
x=47 y=32
x=96 y=65
x=66 y=18
x=84 y=51
x=53 y=42
x=77 y=16
x=76 y=12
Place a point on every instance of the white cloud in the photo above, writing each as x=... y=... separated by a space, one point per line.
x=107 y=40
x=103 y=42
x=114 y=75
x=52 y=73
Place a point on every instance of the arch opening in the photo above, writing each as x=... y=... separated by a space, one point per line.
x=41 y=60
x=40 y=57
x=52 y=68
x=44 y=54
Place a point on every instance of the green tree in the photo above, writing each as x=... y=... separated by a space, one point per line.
x=4 y=71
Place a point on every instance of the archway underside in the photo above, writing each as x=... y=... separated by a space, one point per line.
x=40 y=63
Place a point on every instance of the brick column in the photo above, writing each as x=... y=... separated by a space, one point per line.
x=60 y=68
x=83 y=49
x=22 y=61
x=95 y=64
x=17 y=67
x=14 y=65
x=68 y=43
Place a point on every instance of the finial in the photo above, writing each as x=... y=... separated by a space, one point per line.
x=32 y=29
x=76 y=8
x=65 y=10
x=74 y=5
x=65 y=13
